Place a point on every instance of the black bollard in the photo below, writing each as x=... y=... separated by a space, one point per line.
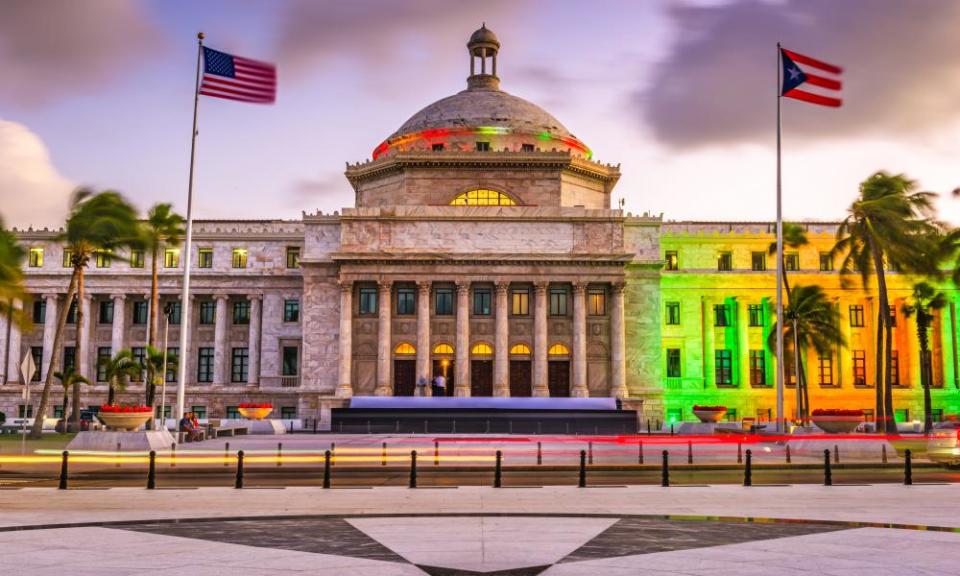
x=908 y=467
x=152 y=471
x=333 y=453
x=413 y=468
x=671 y=429
x=640 y=451
x=315 y=425
x=326 y=469
x=648 y=428
x=739 y=453
x=836 y=454
x=883 y=453
x=689 y=452
x=173 y=455
x=63 y=470
x=226 y=454
x=748 y=470
x=539 y=453
x=590 y=452
x=788 y=453
x=436 y=452
x=827 y=475
x=498 y=471
x=239 y=483
x=383 y=455
x=665 y=471
x=279 y=453
x=582 y=482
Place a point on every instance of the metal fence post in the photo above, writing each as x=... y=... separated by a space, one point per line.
x=582 y=481
x=748 y=469
x=152 y=471
x=65 y=456
x=665 y=470
x=498 y=471
x=326 y=469
x=413 y=468
x=239 y=480
x=827 y=475
x=908 y=467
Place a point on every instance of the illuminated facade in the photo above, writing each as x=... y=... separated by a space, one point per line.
x=483 y=247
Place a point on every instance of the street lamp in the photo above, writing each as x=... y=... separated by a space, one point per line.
x=167 y=312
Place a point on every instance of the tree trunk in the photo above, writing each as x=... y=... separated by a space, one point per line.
x=883 y=324
x=111 y=393
x=154 y=297
x=75 y=417
x=926 y=369
x=888 y=380
x=37 y=430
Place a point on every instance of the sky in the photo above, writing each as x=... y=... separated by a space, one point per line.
x=680 y=93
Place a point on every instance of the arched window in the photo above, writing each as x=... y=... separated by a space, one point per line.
x=405 y=349
x=483 y=197
x=558 y=350
x=443 y=349
x=520 y=349
x=481 y=349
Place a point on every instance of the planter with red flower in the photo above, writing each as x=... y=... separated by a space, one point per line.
x=255 y=411
x=119 y=417
x=709 y=414
x=837 y=420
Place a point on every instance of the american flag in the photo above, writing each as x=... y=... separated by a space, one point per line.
x=236 y=78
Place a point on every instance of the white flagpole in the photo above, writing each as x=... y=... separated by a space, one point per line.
x=780 y=359
x=184 y=355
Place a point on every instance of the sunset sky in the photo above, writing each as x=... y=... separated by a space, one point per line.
x=681 y=94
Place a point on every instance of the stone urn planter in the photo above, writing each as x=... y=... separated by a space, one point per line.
x=837 y=421
x=709 y=414
x=255 y=411
x=129 y=418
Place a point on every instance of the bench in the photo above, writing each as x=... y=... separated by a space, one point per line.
x=215 y=430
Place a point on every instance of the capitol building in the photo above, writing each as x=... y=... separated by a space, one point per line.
x=482 y=246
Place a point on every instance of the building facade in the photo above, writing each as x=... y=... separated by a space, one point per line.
x=483 y=247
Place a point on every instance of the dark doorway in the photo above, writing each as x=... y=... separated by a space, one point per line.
x=447 y=370
x=520 y=380
x=481 y=378
x=404 y=377
x=558 y=378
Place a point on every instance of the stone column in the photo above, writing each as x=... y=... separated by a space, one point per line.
x=423 y=336
x=83 y=362
x=220 y=340
x=13 y=348
x=253 y=340
x=345 y=378
x=501 y=350
x=618 y=353
x=540 y=387
x=49 y=331
x=579 y=389
x=384 y=341
x=462 y=384
x=117 y=329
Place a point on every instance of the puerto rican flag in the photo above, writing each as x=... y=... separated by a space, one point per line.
x=794 y=76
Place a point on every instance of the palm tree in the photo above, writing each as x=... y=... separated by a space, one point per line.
x=817 y=326
x=69 y=378
x=163 y=227
x=153 y=363
x=119 y=370
x=925 y=299
x=889 y=226
x=11 y=276
x=794 y=236
x=98 y=223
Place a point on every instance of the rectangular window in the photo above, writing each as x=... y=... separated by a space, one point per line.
x=58 y=411
x=558 y=302
x=755 y=314
x=437 y=147
x=239 y=259
x=72 y=312
x=241 y=312
x=67 y=258
x=37 y=353
x=291 y=310
x=672 y=260
x=106 y=312
x=103 y=356
x=36 y=257
x=141 y=310
x=208 y=312
x=205 y=258
x=406 y=301
x=291 y=361
x=368 y=300
x=725 y=261
x=293 y=256
x=288 y=412
x=758 y=261
x=901 y=415
x=140 y=357
x=232 y=413
x=483 y=146
x=859 y=368
x=444 y=302
x=520 y=302
x=856 y=316
x=199 y=411
x=893 y=318
x=758 y=368
x=721 y=316
x=825 y=370
x=723 y=367
x=672 y=317
x=673 y=363
x=39 y=311
x=173 y=360
x=239 y=364
x=103 y=260
x=205 y=364
x=731 y=415
x=481 y=302
x=936 y=414
x=826 y=262
x=171 y=258
x=167 y=412
x=25 y=411
x=136 y=259
x=894 y=368
x=175 y=312
x=597 y=302
x=69 y=357
x=791 y=261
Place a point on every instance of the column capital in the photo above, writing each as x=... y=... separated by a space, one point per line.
x=345 y=285
x=541 y=286
x=120 y=297
x=618 y=287
x=579 y=287
x=463 y=286
x=502 y=286
x=424 y=286
x=384 y=285
x=254 y=297
x=221 y=296
x=51 y=296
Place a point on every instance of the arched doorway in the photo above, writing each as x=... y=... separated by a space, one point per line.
x=481 y=369
x=443 y=365
x=404 y=370
x=558 y=370
x=521 y=380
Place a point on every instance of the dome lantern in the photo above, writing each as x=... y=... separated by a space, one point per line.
x=483 y=45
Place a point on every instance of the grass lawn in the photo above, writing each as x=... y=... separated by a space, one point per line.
x=10 y=443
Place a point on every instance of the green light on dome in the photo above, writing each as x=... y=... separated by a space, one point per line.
x=492 y=130
x=544 y=136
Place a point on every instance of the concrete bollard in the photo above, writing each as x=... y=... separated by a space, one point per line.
x=65 y=456
x=152 y=471
x=582 y=480
x=908 y=468
x=665 y=470
x=413 y=469
x=827 y=474
x=748 y=470
x=326 y=468
x=239 y=480
x=498 y=471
